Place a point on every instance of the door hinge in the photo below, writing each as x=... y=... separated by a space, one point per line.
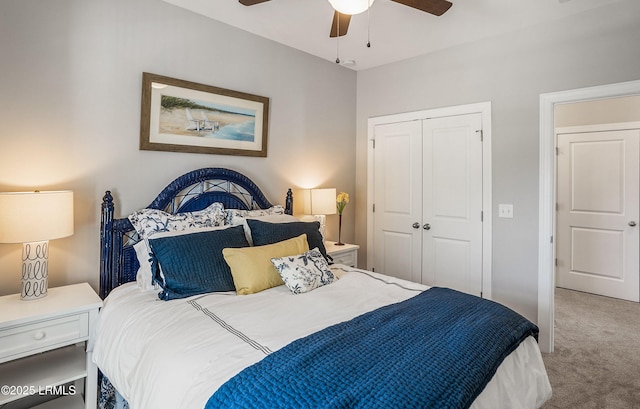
x=374 y=207
x=556 y=263
x=557 y=151
x=481 y=215
x=374 y=143
x=557 y=207
x=551 y=239
x=481 y=134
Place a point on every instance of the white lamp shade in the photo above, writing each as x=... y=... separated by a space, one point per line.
x=351 y=6
x=322 y=201
x=35 y=216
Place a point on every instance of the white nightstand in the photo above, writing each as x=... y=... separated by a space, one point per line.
x=347 y=254
x=46 y=344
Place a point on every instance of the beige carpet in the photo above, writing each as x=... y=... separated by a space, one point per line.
x=596 y=362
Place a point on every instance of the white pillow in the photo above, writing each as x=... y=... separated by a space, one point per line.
x=304 y=272
x=144 y=276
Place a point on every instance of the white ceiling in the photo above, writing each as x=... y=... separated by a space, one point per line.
x=396 y=31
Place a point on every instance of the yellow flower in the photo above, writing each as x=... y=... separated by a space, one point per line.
x=341 y=201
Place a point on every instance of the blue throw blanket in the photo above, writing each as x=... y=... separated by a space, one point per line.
x=438 y=349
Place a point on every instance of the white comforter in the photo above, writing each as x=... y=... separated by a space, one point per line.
x=175 y=354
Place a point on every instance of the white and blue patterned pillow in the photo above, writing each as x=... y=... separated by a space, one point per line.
x=234 y=216
x=304 y=272
x=148 y=222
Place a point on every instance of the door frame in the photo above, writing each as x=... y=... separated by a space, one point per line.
x=547 y=194
x=483 y=108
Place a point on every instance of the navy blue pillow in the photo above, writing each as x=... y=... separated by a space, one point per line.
x=268 y=233
x=193 y=263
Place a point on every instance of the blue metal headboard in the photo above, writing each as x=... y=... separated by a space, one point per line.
x=190 y=192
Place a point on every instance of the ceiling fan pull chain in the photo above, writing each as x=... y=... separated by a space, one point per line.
x=369 y=24
x=338 y=41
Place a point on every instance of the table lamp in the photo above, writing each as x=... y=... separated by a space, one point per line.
x=319 y=203
x=34 y=218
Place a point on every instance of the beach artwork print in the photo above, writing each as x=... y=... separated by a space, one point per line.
x=182 y=116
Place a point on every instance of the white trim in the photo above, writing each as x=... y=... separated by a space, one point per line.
x=547 y=194
x=483 y=108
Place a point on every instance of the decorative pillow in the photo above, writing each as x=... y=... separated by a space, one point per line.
x=231 y=213
x=149 y=222
x=251 y=267
x=193 y=263
x=237 y=220
x=304 y=272
x=145 y=275
x=266 y=233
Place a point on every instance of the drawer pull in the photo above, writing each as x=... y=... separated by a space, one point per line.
x=39 y=335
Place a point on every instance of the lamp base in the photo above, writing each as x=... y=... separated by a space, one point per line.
x=35 y=274
x=321 y=218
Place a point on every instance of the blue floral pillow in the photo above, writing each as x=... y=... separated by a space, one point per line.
x=235 y=214
x=304 y=272
x=148 y=222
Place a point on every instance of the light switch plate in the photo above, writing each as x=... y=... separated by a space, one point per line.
x=505 y=211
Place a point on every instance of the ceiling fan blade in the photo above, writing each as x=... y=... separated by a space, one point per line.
x=251 y=2
x=344 y=24
x=435 y=7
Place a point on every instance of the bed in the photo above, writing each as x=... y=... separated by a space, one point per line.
x=331 y=336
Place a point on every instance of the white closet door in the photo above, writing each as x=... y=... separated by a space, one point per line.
x=398 y=199
x=452 y=203
x=598 y=211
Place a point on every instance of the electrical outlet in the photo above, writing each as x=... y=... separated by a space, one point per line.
x=505 y=211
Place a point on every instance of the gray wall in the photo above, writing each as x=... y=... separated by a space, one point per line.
x=593 y=48
x=70 y=81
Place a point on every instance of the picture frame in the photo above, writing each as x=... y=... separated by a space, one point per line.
x=185 y=116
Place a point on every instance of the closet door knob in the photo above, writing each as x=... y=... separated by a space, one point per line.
x=416 y=225
x=427 y=226
x=632 y=223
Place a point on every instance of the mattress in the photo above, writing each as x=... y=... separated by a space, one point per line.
x=175 y=354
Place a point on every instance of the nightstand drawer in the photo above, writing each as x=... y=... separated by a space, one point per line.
x=347 y=258
x=43 y=335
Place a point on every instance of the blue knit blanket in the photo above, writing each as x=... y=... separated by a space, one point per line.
x=438 y=349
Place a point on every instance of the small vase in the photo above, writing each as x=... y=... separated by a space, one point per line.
x=339 y=243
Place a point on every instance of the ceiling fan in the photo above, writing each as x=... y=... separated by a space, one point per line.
x=341 y=19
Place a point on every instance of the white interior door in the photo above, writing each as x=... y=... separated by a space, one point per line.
x=398 y=199
x=452 y=203
x=598 y=211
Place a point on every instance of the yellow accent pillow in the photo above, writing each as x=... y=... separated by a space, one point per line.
x=251 y=267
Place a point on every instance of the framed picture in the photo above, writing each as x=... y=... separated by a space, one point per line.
x=184 y=116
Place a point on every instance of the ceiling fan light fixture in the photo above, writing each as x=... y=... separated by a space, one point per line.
x=351 y=6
